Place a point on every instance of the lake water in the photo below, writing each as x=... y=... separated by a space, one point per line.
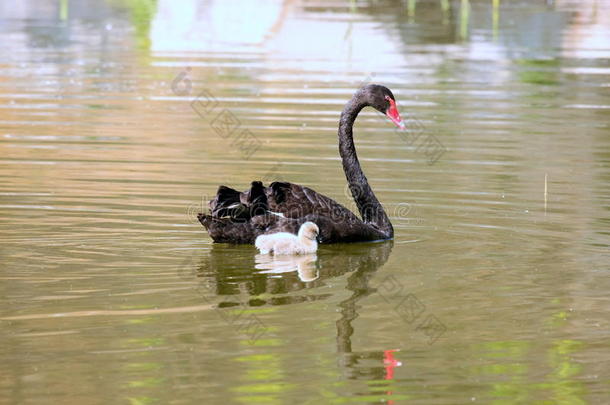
x=494 y=290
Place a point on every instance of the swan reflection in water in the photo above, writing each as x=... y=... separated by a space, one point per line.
x=230 y=271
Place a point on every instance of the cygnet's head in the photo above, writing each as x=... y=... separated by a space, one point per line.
x=309 y=230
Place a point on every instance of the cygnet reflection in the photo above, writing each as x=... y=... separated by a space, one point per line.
x=304 y=265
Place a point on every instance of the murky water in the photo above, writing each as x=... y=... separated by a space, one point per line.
x=495 y=289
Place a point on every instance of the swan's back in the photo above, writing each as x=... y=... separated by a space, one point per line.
x=240 y=217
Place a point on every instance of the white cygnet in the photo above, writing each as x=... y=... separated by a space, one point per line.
x=284 y=243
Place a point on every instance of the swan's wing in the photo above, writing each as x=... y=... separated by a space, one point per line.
x=224 y=202
x=289 y=200
x=296 y=201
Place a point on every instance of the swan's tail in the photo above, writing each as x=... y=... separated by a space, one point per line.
x=232 y=212
x=227 y=230
x=239 y=206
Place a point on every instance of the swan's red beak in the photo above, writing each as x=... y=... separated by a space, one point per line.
x=393 y=115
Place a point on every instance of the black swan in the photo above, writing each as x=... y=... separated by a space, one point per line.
x=283 y=207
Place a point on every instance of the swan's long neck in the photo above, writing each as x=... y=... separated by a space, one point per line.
x=370 y=209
